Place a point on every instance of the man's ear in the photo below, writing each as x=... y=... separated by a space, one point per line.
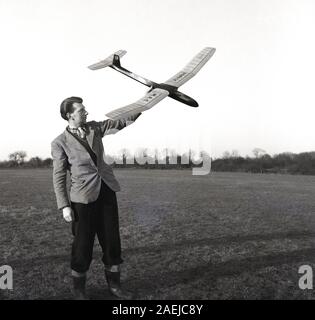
x=68 y=116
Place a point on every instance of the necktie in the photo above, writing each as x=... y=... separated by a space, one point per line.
x=81 y=132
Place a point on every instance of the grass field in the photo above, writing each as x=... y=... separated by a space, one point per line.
x=221 y=236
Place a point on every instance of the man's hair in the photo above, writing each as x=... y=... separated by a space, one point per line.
x=67 y=106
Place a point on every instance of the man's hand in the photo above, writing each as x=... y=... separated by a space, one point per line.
x=67 y=213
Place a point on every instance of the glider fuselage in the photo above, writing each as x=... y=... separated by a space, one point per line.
x=173 y=91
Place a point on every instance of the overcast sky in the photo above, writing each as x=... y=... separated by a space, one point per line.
x=256 y=91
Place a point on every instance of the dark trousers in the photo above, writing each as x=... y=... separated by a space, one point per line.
x=96 y=218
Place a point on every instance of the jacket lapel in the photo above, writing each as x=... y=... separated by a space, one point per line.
x=90 y=137
x=73 y=141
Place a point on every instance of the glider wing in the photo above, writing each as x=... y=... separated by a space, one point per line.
x=145 y=103
x=191 y=68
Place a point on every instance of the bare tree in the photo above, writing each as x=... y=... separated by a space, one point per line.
x=124 y=154
x=172 y=156
x=17 y=157
x=226 y=155
x=258 y=152
x=235 y=154
x=35 y=162
x=144 y=156
x=165 y=156
x=156 y=156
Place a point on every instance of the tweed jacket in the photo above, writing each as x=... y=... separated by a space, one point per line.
x=70 y=155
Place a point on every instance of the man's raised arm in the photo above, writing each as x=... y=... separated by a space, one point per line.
x=60 y=165
x=112 y=126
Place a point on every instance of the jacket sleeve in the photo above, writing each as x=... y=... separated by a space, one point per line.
x=60 y=166
x=112 y=126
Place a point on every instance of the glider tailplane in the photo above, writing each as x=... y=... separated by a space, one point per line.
x=113 y=59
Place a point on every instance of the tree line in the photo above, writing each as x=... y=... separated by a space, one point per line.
x=17 y=160
x=260 y=162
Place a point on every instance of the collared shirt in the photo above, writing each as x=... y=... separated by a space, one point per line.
x=84 y=143
x=80 y=131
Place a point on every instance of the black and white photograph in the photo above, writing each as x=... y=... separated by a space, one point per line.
x=157 y=151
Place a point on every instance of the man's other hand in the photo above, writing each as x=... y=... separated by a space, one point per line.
x=67 y=214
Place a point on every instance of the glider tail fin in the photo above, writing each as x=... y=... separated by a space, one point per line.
x=116 y=61
x=113 y=59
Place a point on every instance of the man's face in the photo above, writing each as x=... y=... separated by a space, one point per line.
x=79 y=114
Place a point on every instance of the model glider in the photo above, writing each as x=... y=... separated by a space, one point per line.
x=158 y=91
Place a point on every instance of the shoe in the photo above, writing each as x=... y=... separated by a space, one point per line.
x=79 y=288
x=114 y=286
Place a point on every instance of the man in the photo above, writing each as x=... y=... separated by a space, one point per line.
x=92 y=206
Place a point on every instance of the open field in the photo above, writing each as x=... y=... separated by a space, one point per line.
x=221 y=236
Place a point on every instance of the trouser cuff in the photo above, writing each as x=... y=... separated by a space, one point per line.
x=78 y=274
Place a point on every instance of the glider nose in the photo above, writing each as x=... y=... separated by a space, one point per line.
x=181 y=97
